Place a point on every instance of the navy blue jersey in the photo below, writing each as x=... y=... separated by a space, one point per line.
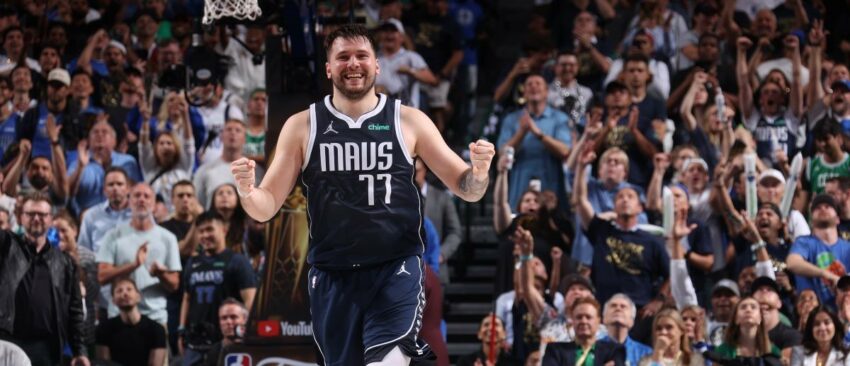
x=362 y=203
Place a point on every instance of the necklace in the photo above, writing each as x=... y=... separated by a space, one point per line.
x=820 y=360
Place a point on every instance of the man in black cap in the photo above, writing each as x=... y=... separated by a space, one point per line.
x=820 y=259
x=766 y=291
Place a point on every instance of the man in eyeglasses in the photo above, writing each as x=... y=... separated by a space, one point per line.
x=41 y=309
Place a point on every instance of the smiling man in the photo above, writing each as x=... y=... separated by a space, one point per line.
x=366 y=245
x=820 y=259
x=209 y=279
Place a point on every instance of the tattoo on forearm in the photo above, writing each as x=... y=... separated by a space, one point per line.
x=471 y=186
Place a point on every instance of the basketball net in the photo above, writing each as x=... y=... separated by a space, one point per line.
x=239 y=9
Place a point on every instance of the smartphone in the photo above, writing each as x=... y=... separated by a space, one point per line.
x=534 y=184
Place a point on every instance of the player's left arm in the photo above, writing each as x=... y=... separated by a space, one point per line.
x=468 y=183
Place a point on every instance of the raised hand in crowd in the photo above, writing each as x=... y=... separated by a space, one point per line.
x=52 y=129
x=82 y=154
x=817 y=35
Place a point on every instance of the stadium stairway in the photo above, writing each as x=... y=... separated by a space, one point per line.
x=470 y=295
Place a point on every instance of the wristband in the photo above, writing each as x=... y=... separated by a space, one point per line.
x=525 y=258
x=755 y=247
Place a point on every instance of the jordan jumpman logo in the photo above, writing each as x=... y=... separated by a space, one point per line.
x=402 y=269
x=330 y=129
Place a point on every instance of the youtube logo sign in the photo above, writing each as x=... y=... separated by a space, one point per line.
x=268 y=328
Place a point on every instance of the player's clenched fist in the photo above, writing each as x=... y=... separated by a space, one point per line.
x=481 y=153
x=243 y=172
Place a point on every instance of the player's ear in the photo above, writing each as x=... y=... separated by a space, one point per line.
x=328 y=70
x=377 y=67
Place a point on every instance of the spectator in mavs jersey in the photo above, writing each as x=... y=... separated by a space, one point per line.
x=209 y=279
x=772 y=107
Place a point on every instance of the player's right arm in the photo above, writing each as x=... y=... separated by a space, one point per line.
x=263 y=202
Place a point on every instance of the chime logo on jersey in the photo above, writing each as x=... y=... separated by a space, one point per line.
x=238 y=359
x=352 y=156
x=379 y=127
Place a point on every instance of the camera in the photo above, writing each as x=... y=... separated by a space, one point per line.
x=200 y=336
x=173 y=78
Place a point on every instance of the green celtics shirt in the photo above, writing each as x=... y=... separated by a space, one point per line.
x=255 y=145
x=819 y=171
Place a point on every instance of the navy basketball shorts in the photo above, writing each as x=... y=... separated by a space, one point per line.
x=360 y=315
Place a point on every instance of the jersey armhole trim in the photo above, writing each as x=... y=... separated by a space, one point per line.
x=312 y=138
x=399 y=134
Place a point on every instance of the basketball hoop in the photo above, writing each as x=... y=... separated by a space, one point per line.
x=239 y=9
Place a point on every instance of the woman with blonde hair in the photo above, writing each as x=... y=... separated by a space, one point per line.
x=746 y=338
x=171 y=156
x=671 y=343
x=693 y=317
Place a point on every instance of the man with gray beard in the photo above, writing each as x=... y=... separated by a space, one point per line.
x=145 y=252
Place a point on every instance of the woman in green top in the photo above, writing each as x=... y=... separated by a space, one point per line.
x=746 y=338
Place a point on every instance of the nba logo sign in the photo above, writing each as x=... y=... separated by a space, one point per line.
x=237 y=359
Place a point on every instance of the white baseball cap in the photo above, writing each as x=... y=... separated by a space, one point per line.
x=59 y=75
x=699 y=161
x=772 y=173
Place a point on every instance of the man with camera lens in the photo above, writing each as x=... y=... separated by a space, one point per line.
x=232 y=317
x=209 y=279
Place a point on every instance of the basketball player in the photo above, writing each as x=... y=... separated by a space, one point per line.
x=355 y=151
